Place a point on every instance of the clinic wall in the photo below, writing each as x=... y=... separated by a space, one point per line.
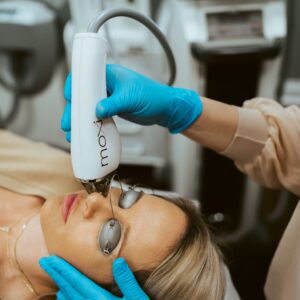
x=293 y=69
x=290 y=93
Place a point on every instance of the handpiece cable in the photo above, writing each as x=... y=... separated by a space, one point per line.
x=112 y=47
x=98 y=22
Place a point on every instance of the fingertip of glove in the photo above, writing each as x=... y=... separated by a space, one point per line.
x=120 y=264
x=65 y=121
x=59 y=295
x=43 y=261
x=53 y=262
x=67 y=87
x=101 y=111
x=68 y=136
x=63 y=124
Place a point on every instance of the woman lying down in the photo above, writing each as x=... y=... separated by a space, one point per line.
x=164 y=241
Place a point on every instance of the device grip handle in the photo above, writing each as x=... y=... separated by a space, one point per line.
x=96 y=145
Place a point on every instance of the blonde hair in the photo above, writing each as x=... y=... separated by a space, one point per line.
x=194 y=270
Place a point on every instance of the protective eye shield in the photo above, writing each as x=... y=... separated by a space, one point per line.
x=111 y=231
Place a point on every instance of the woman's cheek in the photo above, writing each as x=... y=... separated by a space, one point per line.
x=88 y=259
x=76 y=242
x=83 y=252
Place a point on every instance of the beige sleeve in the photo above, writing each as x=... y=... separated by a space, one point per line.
x=34 y=168
x=266 y=145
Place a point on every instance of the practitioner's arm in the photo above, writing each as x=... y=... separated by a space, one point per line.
x=146 y=102
x=216 y=126
x=262 y=138
x=141 y=100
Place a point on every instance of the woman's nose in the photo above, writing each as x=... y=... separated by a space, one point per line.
x=93 y=203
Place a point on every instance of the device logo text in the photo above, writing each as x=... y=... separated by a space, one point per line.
x=102 y=143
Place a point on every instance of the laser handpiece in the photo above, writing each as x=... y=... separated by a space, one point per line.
x=96 y=144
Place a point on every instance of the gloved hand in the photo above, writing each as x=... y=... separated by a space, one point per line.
x=141 y=100
x=73 y=285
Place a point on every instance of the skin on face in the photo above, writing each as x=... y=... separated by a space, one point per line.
x=150 y=230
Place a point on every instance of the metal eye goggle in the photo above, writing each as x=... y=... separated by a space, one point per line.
x=111 y=232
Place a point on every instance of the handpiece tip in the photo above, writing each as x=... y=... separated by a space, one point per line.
x=98 y=185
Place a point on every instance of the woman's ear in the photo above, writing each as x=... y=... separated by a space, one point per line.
x=91 y=205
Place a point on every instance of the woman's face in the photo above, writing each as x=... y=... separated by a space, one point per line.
x=150 y=229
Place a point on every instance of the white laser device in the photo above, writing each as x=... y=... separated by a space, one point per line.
x=96 y=144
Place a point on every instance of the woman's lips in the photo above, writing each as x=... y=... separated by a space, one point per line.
x=68 y=204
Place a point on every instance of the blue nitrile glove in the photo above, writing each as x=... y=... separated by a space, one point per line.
x=66 y=117
x=73 y=285
x=141 y=100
